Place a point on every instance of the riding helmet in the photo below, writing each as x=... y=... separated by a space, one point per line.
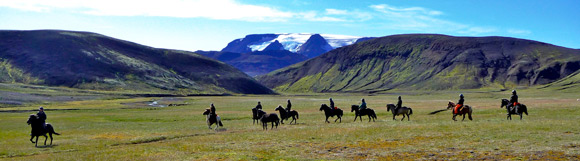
x=514 y=91
x=461 y=95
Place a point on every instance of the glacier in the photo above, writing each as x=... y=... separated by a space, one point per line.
x=293 y=41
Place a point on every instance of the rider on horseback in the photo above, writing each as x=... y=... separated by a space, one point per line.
x=399 y=104
x=212 y=111
x=259 y=106
x=459 y=105
x=363 y=105
x=513 y=101
x=41 y=116
x=288 y=106
x=332 y=104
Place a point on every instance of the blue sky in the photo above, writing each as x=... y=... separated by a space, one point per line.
x=211 y=24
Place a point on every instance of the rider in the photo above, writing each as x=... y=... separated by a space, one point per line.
x=332 y=104
x=399 y=104
x=459 y=105
x=514 y=100
x=259 y=106
x=288 y=106
x=363 y=105
x=212 y=109
x=41 y=116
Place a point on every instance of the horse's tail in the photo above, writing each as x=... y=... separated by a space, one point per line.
x=297 y=116
x=410 y=111
x=340 y=112
x=51 y=129
x=525 y=109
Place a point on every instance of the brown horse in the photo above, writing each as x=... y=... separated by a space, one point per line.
x=211 y=119
x=518 y=110
x=329 y=112
x=38 y=130
x=466 y=110
x=358 y=113
x=284 y=115
x=401 y=111
x=265 y=118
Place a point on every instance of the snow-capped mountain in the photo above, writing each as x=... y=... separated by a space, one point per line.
x=291 y=42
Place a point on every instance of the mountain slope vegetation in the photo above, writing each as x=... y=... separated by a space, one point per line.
x=428 y=62
x=93 y=61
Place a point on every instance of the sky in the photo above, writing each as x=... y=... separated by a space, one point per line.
x=211 y=24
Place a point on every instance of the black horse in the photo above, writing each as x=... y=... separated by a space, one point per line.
x=284 y=115
x=357 y=113
x=255 y=117
x=38 y=130
x=265 y=118
x=212 y=119
x=518 y=110
x=402 y=111
x=329 y=112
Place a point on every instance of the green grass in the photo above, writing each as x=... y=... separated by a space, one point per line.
x=128 y=129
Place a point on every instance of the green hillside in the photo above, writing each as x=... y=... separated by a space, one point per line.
x=93 y=61
x=428 y=62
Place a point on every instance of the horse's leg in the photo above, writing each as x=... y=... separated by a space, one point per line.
x=463 y=117
x=327 y=120
x=369 y=118
x=520 y=116
x=454 y=117
x=31 y=137
x=50 y=134
x=403 y=117
x=355 y=116
x=36 y=145
x=408 y=117
x=394 y=116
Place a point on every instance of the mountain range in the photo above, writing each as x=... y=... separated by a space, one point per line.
x=258 y=54
x=93 y=61
x=428 y=62
x=310 y=45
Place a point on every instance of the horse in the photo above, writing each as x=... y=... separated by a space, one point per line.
x=255 y=117
x=401 y=111
x=265 y=118
x=211 y=119
x=38 y=130
x=284 y=115
x=329 y=112
x=357 y=113
x=518 y=110
x=466 y=110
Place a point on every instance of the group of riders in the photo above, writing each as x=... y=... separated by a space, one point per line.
x=288 y=106
x=511 y=106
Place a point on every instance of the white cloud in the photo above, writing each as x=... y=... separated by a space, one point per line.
x=331 y=11
x=519 y=32
x=478 y=30
x=421 y=19
x=313 y=16
x=211 y=9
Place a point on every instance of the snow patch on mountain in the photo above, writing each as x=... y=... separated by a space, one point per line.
x=293 y=41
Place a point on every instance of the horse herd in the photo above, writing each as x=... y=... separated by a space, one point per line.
x=258 y=115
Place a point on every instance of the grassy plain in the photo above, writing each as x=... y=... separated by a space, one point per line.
x=129 y=129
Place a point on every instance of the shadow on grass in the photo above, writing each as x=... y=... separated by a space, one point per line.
x=46 y=146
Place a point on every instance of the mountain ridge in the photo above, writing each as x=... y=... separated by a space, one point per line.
x=93 y=61
x=428 y=62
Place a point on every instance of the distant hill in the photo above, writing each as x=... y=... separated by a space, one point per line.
x=428 y=62
x=258 y=62
x=93 y=61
